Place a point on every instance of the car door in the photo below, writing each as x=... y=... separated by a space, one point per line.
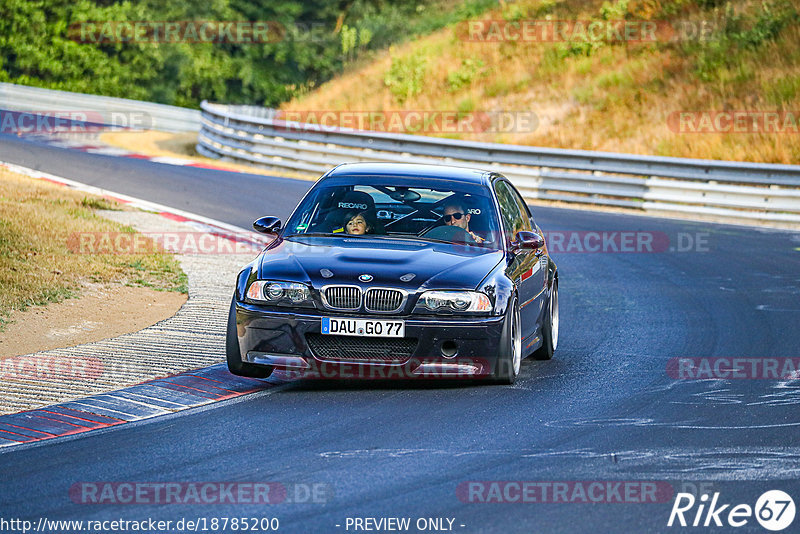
x=537 y=277
x=523 y=267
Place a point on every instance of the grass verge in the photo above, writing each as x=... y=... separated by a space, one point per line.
x=37 y=267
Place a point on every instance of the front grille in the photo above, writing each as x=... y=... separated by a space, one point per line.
x=383 y=300
x=361 y=349
x=342 y=297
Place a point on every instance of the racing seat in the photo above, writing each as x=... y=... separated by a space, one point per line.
x=478 y=223
x=352 y=201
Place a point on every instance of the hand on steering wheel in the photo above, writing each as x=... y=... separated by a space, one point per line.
x=455 y=234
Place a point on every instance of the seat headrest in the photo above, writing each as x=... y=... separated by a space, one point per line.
x=356 y=200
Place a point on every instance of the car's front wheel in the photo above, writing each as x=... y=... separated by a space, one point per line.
x=549 y=327
x=234 y=357
x=509 y=359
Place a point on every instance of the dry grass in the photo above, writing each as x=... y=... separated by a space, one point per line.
x=36 y=265
x=617 y=98
x=154 y=143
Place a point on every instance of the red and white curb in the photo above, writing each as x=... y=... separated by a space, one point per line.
x=149 y=399
x=199 y=222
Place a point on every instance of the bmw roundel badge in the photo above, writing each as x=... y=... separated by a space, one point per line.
x=365 y=278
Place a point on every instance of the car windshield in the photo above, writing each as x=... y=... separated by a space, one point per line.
x=451 y=213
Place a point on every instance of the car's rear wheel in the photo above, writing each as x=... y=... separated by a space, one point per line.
x=235 y=363
x=550 y=327
x=509 y=359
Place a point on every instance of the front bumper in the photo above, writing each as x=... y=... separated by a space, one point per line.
x=279 y=339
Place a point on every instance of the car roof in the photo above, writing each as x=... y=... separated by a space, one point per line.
x=412 y=170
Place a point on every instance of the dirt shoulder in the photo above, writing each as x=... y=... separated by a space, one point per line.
x=53 y=294
x=100 y=312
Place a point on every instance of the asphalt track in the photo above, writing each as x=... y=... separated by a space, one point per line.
x=605 y=409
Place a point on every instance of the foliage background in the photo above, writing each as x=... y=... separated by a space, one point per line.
x=36 y=49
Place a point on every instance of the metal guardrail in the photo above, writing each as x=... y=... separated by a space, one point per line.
x=733 y=190
x=157 y=116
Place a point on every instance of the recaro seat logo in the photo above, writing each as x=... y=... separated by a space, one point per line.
x=774 y=510
x=353 y=205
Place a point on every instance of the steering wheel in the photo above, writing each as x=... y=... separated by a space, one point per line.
x=455 y=234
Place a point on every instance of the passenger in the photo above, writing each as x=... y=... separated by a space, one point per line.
x=358 y=223
x=456 y=215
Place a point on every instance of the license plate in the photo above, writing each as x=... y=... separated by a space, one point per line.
x=363 y=327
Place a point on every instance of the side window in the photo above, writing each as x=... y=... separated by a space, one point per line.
x=513 y=220
x=527 y=222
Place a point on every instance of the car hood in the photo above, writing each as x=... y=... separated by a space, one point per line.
x=407 y=264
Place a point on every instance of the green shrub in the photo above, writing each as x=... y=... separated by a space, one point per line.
x=406 y=76
x=466 y=106
x=40 y=45
x=464 y=75
x=738 y=35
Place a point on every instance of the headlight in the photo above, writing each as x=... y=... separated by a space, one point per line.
x=454 y=302
x=282 y=293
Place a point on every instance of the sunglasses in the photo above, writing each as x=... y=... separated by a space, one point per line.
x=456 y=216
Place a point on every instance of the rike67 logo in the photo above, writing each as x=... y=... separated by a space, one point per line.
x=774 y=510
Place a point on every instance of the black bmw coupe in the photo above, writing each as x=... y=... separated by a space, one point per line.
x=392 y=270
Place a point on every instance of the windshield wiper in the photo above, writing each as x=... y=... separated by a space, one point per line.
x=418 y=238
x=444 y=241
x=337 y=234
x=313 y=234
x=408 y=237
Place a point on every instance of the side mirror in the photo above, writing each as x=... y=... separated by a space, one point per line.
x=267 y=225
x=525 y=240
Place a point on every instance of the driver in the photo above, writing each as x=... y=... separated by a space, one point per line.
x=456 y=215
